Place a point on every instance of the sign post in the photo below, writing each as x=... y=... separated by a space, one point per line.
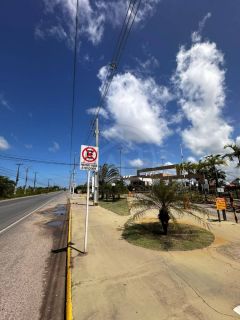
x=221 y=205
x=87 y=212
x=89 y=162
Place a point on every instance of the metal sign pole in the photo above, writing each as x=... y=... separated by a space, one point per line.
x=87 y=211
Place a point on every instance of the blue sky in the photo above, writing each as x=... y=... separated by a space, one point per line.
x=177 y=83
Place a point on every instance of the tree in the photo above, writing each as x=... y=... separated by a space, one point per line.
x=235 y=154
x=119 y=188
x=108 y=174
x=81 y=188
x=6 y=187
x=213 y=173
x=171 y=199
x=188 y=167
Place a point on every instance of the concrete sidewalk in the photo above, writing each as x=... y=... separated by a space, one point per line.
x=117 y=280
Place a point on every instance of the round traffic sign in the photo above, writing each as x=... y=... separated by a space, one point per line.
x=89 y=154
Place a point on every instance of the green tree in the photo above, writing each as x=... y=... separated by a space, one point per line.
x=213 y=173
x=188 y=167
x=170 y=199
x=119 y=188
x=235 y=154
x=6 y=187
x=108 y=174
x=81 y=188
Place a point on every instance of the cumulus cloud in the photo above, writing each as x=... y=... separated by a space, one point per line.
x=102 y=112
x=232 y=171
x=93 y=16
x=238 y=141
x=136 y=163
x=55 y=147
x=192 y=159
x=137 y=108
x=4 y=145
x=200 y=83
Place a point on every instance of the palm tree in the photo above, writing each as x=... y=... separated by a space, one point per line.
x=169 y=200
x=235 y=154
x=107 y=174
x=213 y=173
x=189 y=166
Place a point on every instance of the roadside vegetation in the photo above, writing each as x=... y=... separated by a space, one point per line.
x=7 y=189
x=182 y=237
x=112 y=190
x=170 y=201
x=119 y=206
x=164 y=232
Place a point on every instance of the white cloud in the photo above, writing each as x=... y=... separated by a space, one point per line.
x=55 y=147
x=63 y=12
x=136 y=107
x=102 y=112
x=4 y=102
x=176 y=118
x=28 y=146
x=232 y=172
x=238 y=141
x=197 y=35
x=200 y=82
x=136 y=163
x=93 y=17
x=4 y=145
x=192 y=159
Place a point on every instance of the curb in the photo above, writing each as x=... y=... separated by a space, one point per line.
x=69 y=274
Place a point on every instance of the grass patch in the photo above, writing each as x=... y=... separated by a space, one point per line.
x=119 y=206
x=180 y=237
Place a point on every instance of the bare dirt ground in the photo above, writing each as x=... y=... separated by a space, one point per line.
x=32 y=277
x=117 y=280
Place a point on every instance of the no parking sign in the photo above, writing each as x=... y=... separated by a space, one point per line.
x=89 y=158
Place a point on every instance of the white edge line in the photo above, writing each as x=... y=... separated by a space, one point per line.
x=237 y=309
x=16 y=222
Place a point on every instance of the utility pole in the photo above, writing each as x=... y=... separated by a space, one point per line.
x=120 y=168
x=96 y=182
x=17 y=177
x=26 y=180
x=49 y=184
x=182 y=164
x=70 y=182
x=73 y=176
x=162 y=159
x=35 y=180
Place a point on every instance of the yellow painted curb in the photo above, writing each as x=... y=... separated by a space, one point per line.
x=69 y=275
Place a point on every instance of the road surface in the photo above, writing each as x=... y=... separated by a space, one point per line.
x=14 y=209
x=32 y=276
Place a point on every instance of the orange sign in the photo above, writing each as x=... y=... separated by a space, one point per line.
x=221 y=204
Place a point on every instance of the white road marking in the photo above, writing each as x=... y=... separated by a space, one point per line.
x=237 y=309
x=19 y=220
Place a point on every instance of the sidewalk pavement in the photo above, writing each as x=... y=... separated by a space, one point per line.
x=213 y=212
x=117 y=280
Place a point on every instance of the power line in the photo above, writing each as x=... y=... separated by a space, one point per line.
x=10 y=173
x=74 y=79
x=21 y=158
x=129 y=19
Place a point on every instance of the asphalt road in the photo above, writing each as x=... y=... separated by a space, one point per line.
x=33 y=258
x=15 y=209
